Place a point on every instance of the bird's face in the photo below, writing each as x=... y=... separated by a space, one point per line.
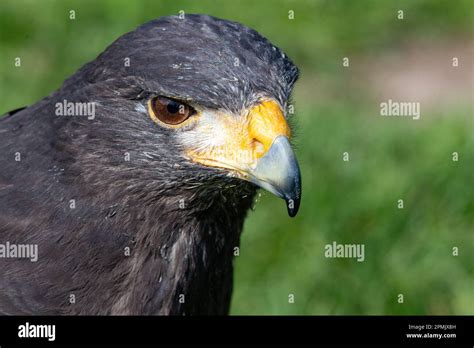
x=216 y=95
x=252 y=145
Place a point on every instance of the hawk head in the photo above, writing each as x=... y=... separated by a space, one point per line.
x=197 y=102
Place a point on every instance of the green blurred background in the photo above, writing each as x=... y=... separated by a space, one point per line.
x=407 y=251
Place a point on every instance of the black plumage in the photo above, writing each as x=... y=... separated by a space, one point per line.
x=85 y=190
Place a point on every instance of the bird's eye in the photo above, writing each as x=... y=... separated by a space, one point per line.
x=169 y=111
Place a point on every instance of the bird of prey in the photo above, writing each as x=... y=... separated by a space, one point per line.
x=133 y=179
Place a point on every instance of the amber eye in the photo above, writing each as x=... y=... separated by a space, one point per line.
x=169 y=111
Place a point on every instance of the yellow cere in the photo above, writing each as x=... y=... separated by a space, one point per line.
x=238 y=142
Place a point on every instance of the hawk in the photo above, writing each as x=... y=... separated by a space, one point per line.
x=134 y=178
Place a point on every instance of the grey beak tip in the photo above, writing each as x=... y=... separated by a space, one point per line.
x=293 y=197
x=278 y=172
x=292 y=209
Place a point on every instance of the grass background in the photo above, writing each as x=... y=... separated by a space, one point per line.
x=407 y=251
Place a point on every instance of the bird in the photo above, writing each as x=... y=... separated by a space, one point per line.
x=133 y=179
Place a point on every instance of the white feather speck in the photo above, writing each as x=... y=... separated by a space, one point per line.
x=140 y=108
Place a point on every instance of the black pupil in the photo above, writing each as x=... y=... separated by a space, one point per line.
x=173 y=107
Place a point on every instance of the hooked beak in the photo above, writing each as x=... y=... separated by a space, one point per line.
x=254 y=147
x=278 y=172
